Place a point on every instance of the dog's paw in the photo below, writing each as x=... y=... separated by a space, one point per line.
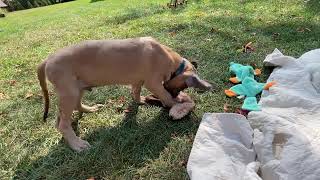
x=90 y=109
x=79 y=145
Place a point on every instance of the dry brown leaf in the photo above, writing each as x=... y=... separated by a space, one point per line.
x=2 y=96
x=110 y=101
x=12 y=82
x=308 y=29
x=119 y=109
x=128 y=110
x=174 y=135
x=30 y=82
x=213 y=30
x=121 y=99
x=300 y=30
x=242 y=112
x=226 y=107
x=173 y=33
x=183 y=163
x=28 y=95
x=275 y=35
x=247 y=47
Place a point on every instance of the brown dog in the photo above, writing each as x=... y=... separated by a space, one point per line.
x=135 y=62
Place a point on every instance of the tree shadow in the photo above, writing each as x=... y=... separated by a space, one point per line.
x=313 y=6
x=93 y=1
x=135 y=13
x=131 y=144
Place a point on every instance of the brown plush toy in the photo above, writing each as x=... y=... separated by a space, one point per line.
x=184 y=106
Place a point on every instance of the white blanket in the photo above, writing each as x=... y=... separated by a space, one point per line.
x=287 y=135
x=223 y=149
x=289 y=145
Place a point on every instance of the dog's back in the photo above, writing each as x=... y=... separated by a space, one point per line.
x=103 y=62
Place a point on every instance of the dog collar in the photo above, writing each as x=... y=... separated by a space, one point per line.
x=180 y=69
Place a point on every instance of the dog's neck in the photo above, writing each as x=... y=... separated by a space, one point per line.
x=179 y=68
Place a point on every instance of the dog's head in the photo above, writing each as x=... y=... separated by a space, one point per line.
x=185 y=79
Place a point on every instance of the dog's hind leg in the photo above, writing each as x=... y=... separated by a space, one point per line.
x=68 y=96
x=84 y=108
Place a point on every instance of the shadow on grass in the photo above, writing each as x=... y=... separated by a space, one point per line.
x=135 y=13
x=93 y=1
x=313 y=6
x=115 y=151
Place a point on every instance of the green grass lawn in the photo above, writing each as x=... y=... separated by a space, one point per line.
x=144 y=143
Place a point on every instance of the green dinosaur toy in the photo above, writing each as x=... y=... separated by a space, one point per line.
x=249 y=88
x=242 y=72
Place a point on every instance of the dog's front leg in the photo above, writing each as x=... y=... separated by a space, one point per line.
x=160 y=92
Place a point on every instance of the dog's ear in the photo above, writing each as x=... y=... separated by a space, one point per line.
x=194 y=63
x=195 y=82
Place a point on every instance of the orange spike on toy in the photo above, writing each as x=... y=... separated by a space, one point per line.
x=269 y=84
x=230 y=93
x=257 y=72
x=234 y=80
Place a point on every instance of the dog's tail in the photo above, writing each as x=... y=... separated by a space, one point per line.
x=43 y=84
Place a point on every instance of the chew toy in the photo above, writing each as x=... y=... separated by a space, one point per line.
x=184 y=107
x=242 y=72
x=249 y=88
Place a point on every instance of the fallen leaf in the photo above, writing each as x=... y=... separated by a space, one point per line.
x=110 y=101
x=12 y=82
x=119 y=109
x=234 y=38
x=190 y=138
x=242 y=112
x=28 y=95
x=2 y=96
x=121 y=99
x=173 y=33
x=247 y=47
x=275 y=35
x=214 y=30
x=269 y=22
x=226 y=107
x=308 y=29
x=248 y=44
x=31 y=82
x=90 y=178
x=183 y=163
x=254 y=65
x=174 y=135
x=300 y=30
x=128 y=110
